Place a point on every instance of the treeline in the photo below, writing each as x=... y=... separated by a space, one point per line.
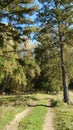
x=46 y=65
x=17 y=63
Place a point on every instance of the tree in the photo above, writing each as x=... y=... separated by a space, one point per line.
x=27 y=61
x=18 y=26
x=18 y=14
x=55 y=17
x=48 y=59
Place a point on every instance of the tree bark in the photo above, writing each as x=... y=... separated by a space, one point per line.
x=64 y=82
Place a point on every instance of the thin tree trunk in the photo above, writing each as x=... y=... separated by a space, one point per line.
x=65 y=87
x=4 y=86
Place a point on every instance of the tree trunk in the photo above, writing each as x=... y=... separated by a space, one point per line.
x=5 y=83
x=65 y=87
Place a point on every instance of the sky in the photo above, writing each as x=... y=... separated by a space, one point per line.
x=5 y=21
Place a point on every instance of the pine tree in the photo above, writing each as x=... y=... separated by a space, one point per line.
x=55 y=17
x=47 y=56
x=18 y=14
x=16 y=25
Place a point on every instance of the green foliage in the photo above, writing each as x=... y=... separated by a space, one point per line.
x=48 y=59
x=1 y=69
x=15 y=76
x=19 y=13
x=23 y=67
x=1 y=77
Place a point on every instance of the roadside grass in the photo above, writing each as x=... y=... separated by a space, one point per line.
x=6 y=115
x=12 y=105
x=63 y=114
x=35 y=119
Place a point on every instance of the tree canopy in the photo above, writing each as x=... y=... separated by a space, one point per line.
x=26 y=66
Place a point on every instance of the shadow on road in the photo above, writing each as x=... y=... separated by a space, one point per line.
x=30 y=105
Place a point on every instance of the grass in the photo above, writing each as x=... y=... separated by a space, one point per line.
x=34 y=120
x=12 y=105
x=6 y=115
x=63 y=114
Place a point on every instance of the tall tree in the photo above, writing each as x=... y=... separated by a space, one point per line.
x=55 y=16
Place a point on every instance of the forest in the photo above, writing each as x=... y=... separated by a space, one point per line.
x=36 y=64
x=36 y=47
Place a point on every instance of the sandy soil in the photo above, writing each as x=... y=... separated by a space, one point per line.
x=49 y=118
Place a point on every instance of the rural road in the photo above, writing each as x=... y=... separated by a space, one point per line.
x=48 y=121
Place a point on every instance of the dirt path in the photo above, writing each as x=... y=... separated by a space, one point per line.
x=48 y=123
x=14 y=124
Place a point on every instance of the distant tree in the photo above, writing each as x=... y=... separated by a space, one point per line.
x=47 y=57
x=28 y=62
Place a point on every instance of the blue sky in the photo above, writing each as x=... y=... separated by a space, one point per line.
x=4 y=20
